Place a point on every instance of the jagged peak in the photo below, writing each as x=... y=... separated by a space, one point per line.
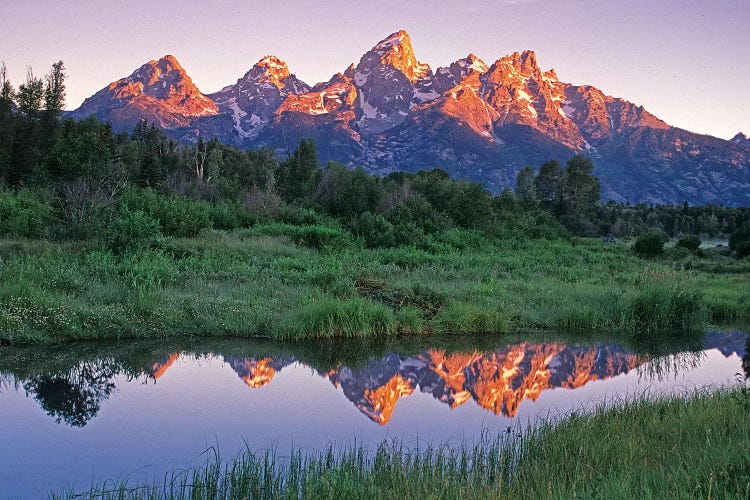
x=523 y=62
x=171 y=60
x=269 y=69
x=528 y=59
x=274 y=64
x=740 y=137
x=396 y=51
x=473 y=62
x=400 y=37
x=156 y=67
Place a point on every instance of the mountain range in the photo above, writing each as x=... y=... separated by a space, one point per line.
x=478 y=121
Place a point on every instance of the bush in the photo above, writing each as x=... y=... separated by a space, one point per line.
x=374 y=230
x=650 y=244
x=132 y=229
x=180 y=217
x=691 y=242
x=738 y=237
x=743 y=249
x=318 y=237
x=739 y=242
x=23 y=214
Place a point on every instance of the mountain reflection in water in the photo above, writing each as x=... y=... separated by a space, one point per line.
x=72 y=390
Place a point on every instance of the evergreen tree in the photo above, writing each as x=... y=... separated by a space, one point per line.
x=300 y=172
x=151 y=173
x=7 y=122
x=580 y=194
x=549 y=184
x=525 y=188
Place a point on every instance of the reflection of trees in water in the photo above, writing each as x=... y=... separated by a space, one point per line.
x=75 y=396
x=660 y=368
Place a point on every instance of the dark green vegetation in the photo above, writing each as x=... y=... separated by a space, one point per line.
x=696 y=446
x=133 y=235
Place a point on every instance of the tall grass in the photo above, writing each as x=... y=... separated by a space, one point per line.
x=678 y=447
x=260 y=282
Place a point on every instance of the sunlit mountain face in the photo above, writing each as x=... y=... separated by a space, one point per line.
x=478 y=121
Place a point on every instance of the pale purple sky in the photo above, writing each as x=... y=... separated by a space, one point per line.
x=686 y=61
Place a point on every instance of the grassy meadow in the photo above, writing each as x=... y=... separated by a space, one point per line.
x=288 y=281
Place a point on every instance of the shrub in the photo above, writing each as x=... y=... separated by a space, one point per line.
x=132 y=229
x=738 y=237
x=318 y=237
x=650 y=244
x=691 y=242
x=740 y=243
x=223 y=216
x=23 y=214
x=374 y=230
x=321 y=237
x=680 y=252
x=180 y=217
x=743 y=249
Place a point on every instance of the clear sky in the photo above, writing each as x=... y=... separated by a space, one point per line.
x=686 y=61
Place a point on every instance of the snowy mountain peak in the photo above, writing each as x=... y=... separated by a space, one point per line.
x=156 y=70
x=160 y=91
x=393 y=40
x=473 y=63
x=274 y=69
x=396 y=51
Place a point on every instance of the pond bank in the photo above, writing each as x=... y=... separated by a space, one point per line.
x=247 y=283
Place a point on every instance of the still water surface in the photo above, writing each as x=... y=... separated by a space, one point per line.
x=76 y=414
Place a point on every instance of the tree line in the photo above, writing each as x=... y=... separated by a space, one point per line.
x=74 y=179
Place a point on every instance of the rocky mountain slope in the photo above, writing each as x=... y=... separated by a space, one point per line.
x=477 y=121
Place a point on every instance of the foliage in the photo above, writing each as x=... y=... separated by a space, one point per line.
x=650 y=244
x=691 y=242
x=132 y=229
x=740 y=242
x=24 y=214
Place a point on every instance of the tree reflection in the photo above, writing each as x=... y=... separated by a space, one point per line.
x=75 y=396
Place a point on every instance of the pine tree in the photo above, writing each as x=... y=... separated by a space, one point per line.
x=525 y=188
x=7 y=122
x=300 y=172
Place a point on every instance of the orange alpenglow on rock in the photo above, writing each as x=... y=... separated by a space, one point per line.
x=380 y=402
x=160 y=367
x=498 y=382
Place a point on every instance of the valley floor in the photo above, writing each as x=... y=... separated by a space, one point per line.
x=276 y=281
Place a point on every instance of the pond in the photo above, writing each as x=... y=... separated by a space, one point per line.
x=77 y=414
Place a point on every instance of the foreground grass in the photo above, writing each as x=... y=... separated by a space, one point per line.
x=694 y=447
x=258 y=282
